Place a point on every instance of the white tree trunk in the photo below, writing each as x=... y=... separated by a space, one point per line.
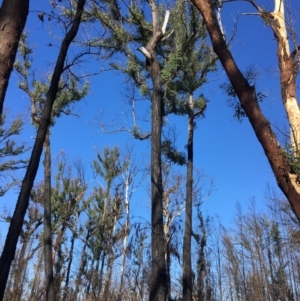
x=288 y=72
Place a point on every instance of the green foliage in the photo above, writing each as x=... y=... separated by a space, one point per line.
x=70 y=88
x=171 y=153
x=108 y=165
x=233 y=102
x=9 y=150
x=291 y=154
x=189 y=59
x=184 y=56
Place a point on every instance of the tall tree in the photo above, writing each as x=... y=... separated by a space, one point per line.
x=23 y=199
x=151 y=34
x=13 y=16
x=282 y=167
x=193 y=60
x=67 y=94
x=158 y=283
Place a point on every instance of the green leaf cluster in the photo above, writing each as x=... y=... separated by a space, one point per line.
x=70 y=88
x=9 y=150
x=291 y=154
x=251 y=74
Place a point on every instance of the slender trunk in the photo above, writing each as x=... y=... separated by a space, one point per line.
x=108 y=276
x=13 y=16
x=50 y=292
x=167 y=225
x=66 y=288
x=82 y=264
x=201 y=261
x=158 y=271
x=35 y=286
x=126 y=229
x=101 y=274
x=17 y=220
x=248 y=99
x=18 y=272
x=58 y=239
x=187 y=285
x=158 y=282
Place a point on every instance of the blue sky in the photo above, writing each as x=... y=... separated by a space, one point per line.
x=225 y=149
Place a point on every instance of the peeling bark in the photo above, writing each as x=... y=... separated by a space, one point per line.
x=248 y=99
x=288 y=67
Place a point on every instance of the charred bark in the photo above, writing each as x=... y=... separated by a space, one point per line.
x=158 y=280
x=13 y=16
x=50 y=292
x=17 y=220
x=187 y=284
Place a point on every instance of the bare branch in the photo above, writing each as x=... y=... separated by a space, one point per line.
x=145 y=52
x=167 y=16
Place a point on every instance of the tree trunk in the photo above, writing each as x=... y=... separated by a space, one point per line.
x=17 y=220
x=126 y=232
x=158 y=270
x=288 y=66
x=13 y=16
x=158 y=282
x=50 y=292
x=248 y=99
x=187 y=285
x=74 y=235
x=83 y=262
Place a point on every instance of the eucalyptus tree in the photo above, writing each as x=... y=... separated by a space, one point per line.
x=23 y=199
x=13 y=16
x=283 y=163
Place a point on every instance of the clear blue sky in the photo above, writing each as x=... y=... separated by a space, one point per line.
x=225 y=149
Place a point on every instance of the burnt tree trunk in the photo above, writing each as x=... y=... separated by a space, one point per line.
x=17 y=220
x=248 y=99
x=187 y=285
x=158 y=279
x=13 y=16
x=50 y=292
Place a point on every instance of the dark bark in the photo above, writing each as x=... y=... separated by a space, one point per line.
x=50 y=291
x=187 y=285
x=74 y=235
x=13 y=16
x=248 y=99
x=158 y=281
x=17 y=220
x=158 y=270
x=82 y=263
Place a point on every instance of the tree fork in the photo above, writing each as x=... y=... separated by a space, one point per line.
x=158 y=280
